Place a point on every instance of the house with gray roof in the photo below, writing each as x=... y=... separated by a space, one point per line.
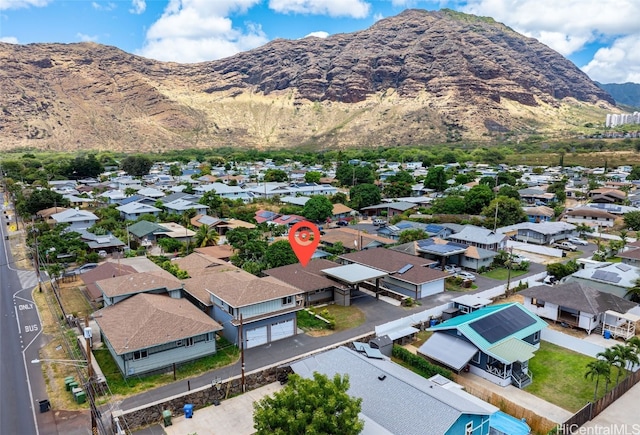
x=118 y=288
x=613 y=278
x=576 y=305
x=396 y=400
x=225 y=191
x=480 y=237
x=180 y=206
x=494 y=342
x=145 y=233
x=541 y=233
x=77 y=219
x=150 y=332
x=133 y=210
x=390 y=209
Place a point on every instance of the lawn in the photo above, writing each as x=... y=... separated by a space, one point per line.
x=502 y=274
x=558 y=377
x=226 y=354
x=346 y=317
x=309 y=322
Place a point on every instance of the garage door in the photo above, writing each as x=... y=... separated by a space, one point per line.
x=282 y=330
x=256 y=336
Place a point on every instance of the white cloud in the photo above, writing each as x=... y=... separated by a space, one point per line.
x=103 y=7
x=319 y=34
x=9 y=39
x=200 y=30
x=619 y=63
x=333 y=8
x=86 y=38
x=20 y=4
x=138 y=6
x=568 y=26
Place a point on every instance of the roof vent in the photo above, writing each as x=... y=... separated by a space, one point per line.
x=382 y=377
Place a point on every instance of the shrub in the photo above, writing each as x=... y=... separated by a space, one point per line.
x=421 y=365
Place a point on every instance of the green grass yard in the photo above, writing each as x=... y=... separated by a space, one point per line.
x=558 y=377
x=502 y=274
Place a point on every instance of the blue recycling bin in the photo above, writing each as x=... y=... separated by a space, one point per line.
x=607 y=334
x=433 y=322
x=188 y=410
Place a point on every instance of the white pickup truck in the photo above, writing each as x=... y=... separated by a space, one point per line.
x=567 y=246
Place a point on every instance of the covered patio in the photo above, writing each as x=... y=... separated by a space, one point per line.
x=353 y=275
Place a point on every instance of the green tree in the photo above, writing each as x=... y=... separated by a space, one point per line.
x=206 y=236
x=82 y=167
x=339 y=198
x=312 y=177
x=279 y=254
x=318 y=208
x=477 y=198
x=634 y=174
x=509 y=192
x=633 y=293
x=136 y=166
x=583 y=229
x=452 y=204
x=275 y=175
x=309 y=406
x=632 y=220
x=399 y=185
x=412 y=235
x=364 y=195
x=627 y=356
x=558 y=188
x=509 y=212
x=436 y=179
x=170 y=245
x=39 y=200
x=595 y=370
x=612 y=358
x=351 y=175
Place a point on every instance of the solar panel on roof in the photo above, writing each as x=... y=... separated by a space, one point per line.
x=606 y=276
x=404 y=225
x=404 y=268
x=623 y=267
x=501 y=324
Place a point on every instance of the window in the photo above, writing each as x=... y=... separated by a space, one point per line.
x=536 y=337
x=476 y=358
x=468 y=429
x=230 y=309
x=287 y=300
x=537 y=302
x=139 y=354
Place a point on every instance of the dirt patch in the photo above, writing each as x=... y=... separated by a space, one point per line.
x=319 y=332
x=20 y=251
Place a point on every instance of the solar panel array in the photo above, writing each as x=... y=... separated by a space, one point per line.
x=501 y=324
x=267 y=214
x=623 y=267
x=606 y=276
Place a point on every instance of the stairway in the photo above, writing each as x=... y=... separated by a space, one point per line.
x=521 y=379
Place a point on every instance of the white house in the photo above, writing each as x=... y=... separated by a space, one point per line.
x=77 y=219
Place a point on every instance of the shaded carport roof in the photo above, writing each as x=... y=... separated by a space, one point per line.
x=451 y=351
x=354 y=273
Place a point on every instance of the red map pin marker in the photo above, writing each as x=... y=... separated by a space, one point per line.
x=304 y=238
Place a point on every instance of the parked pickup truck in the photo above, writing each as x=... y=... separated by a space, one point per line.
x=567 y=246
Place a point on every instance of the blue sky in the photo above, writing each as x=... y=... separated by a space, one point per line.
x=602 y=37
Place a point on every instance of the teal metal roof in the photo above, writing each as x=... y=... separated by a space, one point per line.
x=144 y=228
x=507 y=349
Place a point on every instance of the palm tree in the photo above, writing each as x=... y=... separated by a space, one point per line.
x=611 y=357
x=624 y=233
x=596 y=369
x=206 y=236
x=583 y=229
x=627 y=354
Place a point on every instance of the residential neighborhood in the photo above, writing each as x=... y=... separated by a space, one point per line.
x=469 y=277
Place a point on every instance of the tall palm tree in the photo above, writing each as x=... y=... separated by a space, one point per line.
x=627 y=353
x=583 y=229
x=206 y=236
x=633 y=293
x=611 y=357
x=596 y=369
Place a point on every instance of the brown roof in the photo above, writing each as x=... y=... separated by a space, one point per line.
x=138 y=283
x=103 y=271
x=218 y=251
x=47 y=212
x=197 y=284
x=391 y=261
x=349 y=235
x=341 y=208
x=307 y=278
x=632 y=254
x=197 y=262
x=590 y=212
x=608 y=192
x=542 y=210
x=146 y=320
x=238 y=291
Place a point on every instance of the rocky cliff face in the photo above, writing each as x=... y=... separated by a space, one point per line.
x=412 y=79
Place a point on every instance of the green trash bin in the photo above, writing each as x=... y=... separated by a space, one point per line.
x=166 y=416
x=67 y=381
x=81 y=396
x=72 y=385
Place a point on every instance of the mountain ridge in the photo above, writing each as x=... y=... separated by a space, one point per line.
x=413 y=79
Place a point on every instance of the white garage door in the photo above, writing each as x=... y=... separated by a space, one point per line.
x=256 y=336
x=282 y=330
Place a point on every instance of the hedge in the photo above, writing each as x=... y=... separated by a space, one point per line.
x=419 y=364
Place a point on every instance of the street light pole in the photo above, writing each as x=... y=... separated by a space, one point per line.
x=87 y=335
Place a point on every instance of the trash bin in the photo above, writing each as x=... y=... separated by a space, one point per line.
x=67 y=381
x=607 y=334
x=166 y=416
x=433 y=322
x=188 y=410
x=80 y=396
x=45 y=405
x=72 y=385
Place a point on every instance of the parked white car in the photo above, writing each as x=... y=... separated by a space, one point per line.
x=466 y=276
x=450 y=268
x=578 y=241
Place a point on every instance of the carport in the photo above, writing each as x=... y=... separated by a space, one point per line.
x=353 y=275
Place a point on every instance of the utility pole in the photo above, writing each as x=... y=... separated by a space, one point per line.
x=87 y=335
x=507 y=292
x=242 y=383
